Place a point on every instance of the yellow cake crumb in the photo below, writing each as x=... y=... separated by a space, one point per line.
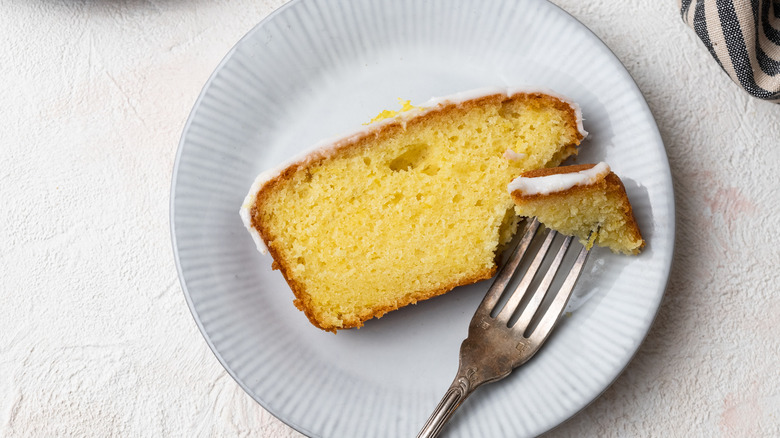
x=409 y=211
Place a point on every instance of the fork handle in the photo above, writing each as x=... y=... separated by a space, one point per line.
x=459 y=390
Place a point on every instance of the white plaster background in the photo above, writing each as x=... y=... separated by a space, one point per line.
x=95 y=335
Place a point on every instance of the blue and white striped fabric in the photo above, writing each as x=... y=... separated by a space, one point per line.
x=744 y=38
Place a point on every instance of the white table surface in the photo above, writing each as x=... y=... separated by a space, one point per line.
x=95 y=335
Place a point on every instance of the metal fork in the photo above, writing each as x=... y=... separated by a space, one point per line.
x=493 y=348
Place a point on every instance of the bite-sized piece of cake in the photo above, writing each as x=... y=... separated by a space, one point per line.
x=575 y=200
x=407 y=208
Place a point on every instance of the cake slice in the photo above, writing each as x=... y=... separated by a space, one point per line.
x=575 y=200
x=407 y=208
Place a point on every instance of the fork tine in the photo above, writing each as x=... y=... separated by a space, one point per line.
x=508 y=270
x=492 y=349
x=522 y=288
x=541 y=291
x=549 y=319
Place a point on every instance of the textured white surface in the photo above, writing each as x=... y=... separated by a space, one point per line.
x=96 y=338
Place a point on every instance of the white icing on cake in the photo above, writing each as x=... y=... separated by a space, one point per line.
x=544 y=185
x=246 y=217
x=325 y=148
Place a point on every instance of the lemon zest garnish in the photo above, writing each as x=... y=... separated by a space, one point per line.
x=406 y=105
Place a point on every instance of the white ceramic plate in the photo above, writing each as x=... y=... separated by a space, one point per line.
x=316 y=68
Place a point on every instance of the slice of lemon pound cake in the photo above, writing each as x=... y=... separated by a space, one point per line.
x=407 y=208
x=575 y=200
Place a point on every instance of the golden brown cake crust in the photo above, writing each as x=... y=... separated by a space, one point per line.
x=556 y=170
x=302 y=299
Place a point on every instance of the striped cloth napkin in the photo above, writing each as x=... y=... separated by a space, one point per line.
x=744 y=38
